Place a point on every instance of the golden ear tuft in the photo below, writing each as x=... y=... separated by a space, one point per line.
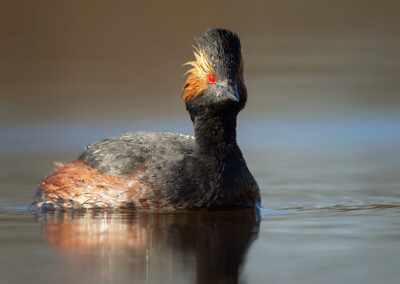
x=197 y=81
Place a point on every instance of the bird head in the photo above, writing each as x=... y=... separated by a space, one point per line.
x=215 y=82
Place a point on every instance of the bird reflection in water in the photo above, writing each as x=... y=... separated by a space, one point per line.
x=190 y=246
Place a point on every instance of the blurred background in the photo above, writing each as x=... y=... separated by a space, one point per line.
x=102 y=61
x=322 y=77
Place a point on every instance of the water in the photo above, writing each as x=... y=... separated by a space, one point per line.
x=330 y=192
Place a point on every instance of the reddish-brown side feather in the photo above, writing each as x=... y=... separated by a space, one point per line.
x=77 y=185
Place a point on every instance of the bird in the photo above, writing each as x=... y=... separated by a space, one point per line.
x=166 y=171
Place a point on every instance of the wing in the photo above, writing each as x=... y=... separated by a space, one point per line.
x=150 y=151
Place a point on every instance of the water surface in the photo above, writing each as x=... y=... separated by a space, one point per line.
x=330 y=192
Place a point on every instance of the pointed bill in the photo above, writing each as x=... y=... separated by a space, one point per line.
x=231 y=93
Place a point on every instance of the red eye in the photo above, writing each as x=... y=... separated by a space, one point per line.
x=239 y=78
x=211 y=78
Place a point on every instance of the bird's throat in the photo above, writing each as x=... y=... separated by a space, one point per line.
x=215 y=135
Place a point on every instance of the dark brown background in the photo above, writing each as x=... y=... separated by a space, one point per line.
x=120 y=60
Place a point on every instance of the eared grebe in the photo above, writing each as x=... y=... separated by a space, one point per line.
x=152 y=170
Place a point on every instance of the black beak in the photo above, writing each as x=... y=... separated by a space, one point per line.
x=231 y=92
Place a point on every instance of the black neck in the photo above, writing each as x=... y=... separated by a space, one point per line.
x=215 y=135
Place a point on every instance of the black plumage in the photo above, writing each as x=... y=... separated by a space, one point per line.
x=180 y=171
